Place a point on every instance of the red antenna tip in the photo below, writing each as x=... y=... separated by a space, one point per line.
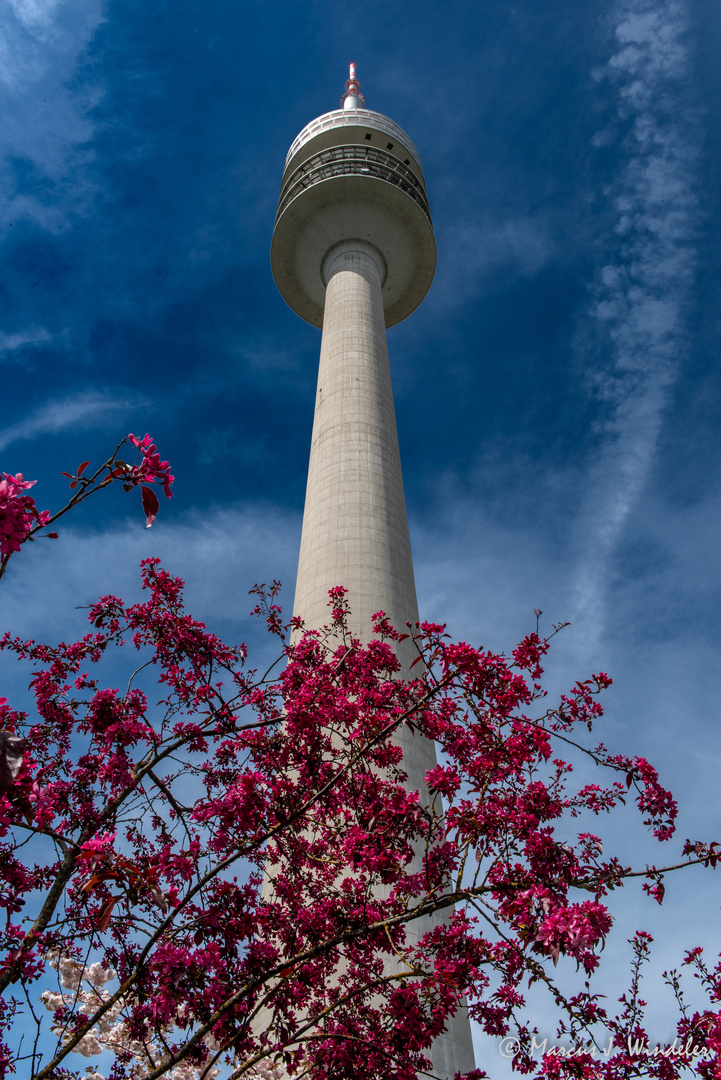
x=353 y=98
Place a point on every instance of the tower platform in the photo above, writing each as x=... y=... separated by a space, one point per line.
x=353 y=174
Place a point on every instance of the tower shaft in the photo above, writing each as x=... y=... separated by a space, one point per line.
x=353 y=251
x=355 y=528
x=355 y=531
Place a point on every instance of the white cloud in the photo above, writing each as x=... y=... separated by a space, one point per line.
x=85 y=410
x=42 y=119
x=34 y=12
x=44 y=36
x=35 y=336
x=639 y=299
x=522 y=246
x=220 y=554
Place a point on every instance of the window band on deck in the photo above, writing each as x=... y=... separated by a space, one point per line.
x=352 y=161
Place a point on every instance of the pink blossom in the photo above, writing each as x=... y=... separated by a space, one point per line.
x=18 y=513
x=151 y=468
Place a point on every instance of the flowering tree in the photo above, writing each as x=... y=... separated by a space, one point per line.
x=138 y=826
x=20 y=519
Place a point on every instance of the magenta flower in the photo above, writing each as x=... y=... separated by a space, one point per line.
x=18 y=513
x=150 y=469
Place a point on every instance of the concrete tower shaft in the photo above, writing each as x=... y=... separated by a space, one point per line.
x=353 y=251
x=355 y=530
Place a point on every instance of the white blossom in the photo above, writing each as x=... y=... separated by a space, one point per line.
x=268 y=1070
x=83 y=991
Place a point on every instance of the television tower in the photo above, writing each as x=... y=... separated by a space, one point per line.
x=353 y=252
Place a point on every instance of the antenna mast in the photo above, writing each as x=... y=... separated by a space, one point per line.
x=353 y=99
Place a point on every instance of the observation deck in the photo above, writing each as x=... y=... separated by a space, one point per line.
x=353 y=174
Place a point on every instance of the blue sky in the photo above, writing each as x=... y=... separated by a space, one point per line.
x=557 y=393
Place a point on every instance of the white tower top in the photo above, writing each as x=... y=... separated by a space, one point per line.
x=353 y=99
x=353 y=174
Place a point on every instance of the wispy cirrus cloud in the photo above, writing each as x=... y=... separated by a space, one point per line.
x=43 y=121
x=10 y=343
x=519 y=246
x=34 y=12
x=85 y=410
x=639 y=298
